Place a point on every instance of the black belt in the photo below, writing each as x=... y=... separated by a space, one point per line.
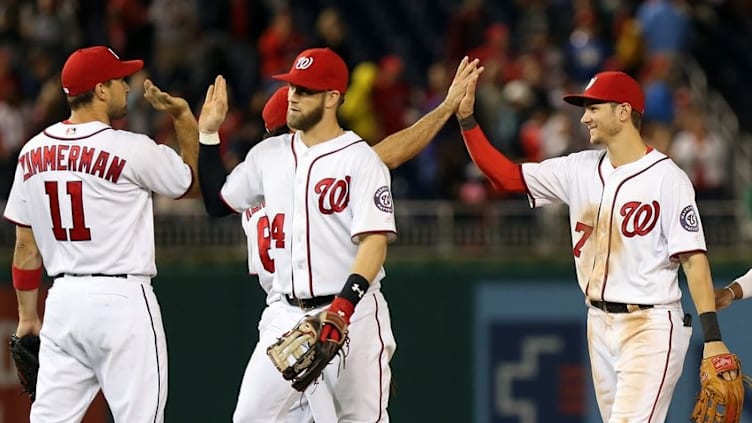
x=98 y=275
x=309 y=303
x=610 y=307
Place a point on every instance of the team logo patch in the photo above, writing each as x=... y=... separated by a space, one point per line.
x=688 y=219
x=383 y=199
x=304 y=62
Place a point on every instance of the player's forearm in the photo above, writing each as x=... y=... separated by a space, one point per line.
x=699 y=280
x=27 y=304
x=211 y=176
x=371 y=256
x=697 y=270
x=504 y=174
x=368 y=261
x=27 y=273
x=402 y=146
x=186 y=131
x=26 y=254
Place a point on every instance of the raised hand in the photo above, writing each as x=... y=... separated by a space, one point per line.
x=467 y=103
x=215 y=106
x=163 y=101
x=467 y=71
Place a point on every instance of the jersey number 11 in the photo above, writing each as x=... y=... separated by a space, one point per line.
x=79 y=231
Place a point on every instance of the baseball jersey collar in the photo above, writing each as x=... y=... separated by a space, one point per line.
x=69 y=130
x=348 y=137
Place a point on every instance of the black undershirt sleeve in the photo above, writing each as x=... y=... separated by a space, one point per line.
x=211 y=176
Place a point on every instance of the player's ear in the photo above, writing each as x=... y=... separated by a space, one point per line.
x=625 y=111
x=99 y=91
x=333 y=98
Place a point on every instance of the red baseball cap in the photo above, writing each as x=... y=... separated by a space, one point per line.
x=275 y=110
x=611 y=86
x=318 y=69
x=87 y=67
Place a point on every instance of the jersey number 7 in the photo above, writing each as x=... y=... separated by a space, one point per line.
x=586 y=230
x=79 y=231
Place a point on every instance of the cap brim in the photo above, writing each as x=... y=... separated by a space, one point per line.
x=290 y=79
x=579 y=99
x=129 y=67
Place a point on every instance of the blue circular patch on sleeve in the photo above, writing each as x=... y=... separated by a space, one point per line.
x=689 y=220
x=383 y=199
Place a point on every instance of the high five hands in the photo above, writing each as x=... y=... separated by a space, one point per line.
x=466 y=76
x=164 y=102
x=466 y=106
x=215 y=107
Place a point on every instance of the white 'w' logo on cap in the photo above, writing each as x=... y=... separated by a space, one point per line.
x=304 y=63
x=590 y=84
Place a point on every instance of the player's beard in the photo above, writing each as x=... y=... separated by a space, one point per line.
x=305 y=121
x=115 y=111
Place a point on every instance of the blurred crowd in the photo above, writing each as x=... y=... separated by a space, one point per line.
x=402 y=55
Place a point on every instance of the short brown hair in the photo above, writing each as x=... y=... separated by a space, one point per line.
x=83 y=99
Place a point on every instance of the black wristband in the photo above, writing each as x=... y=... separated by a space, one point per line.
x=355 y=288
x=710 y=328
x=467 y=123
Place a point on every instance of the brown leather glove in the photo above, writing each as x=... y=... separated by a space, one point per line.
x=302 y=353
x=719 y=400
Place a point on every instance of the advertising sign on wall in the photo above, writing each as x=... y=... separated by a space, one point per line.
x=531 y=360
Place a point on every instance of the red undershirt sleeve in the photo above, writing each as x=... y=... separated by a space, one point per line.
x=504 y=174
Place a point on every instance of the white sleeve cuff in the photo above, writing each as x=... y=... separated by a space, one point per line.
x=745 y=282
x=208 y=139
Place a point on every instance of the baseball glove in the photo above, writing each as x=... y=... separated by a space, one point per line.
x=301 y=354
x=25 y=354
x=719 y=400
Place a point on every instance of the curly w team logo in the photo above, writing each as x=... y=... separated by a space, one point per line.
x=334 y=194
x=304 y=62
x=688 y=219
x=639 y=218
x=383 y=199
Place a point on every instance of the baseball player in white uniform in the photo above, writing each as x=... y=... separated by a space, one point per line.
x=393 y=151
x=633 y=220
x=739 y=289
x=256 y=226
x=330 y=215
x=82 y=203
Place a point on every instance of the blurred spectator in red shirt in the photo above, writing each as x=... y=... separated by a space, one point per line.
x=495 y=50
x=279 y=45
x=465 y=29
x=391 y=95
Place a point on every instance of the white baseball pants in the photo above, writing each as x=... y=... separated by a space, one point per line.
x=357 y=389
x=636 y=360
x=101 y=332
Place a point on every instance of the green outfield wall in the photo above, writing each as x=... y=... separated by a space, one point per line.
x=210 y=315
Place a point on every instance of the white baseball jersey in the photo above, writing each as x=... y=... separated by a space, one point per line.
x=86 y=192
x=318 y=201
x=628 y=224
